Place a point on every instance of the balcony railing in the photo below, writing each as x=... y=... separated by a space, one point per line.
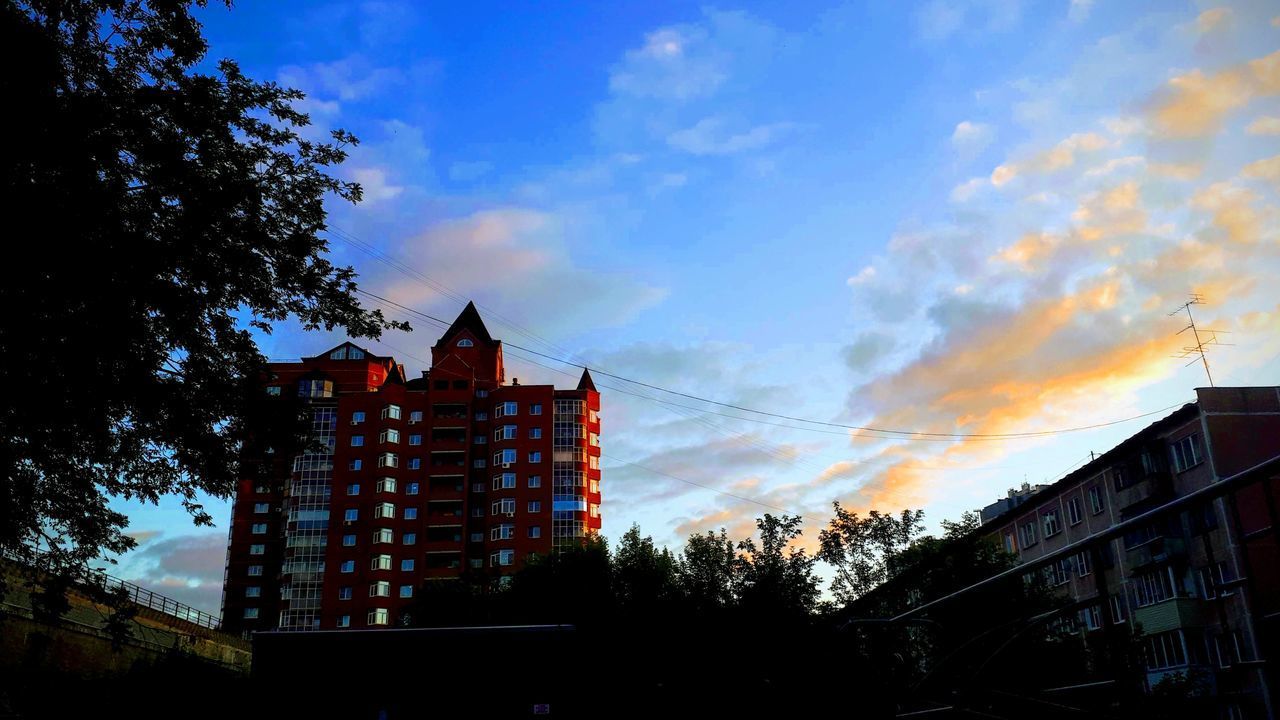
x=1154 y=552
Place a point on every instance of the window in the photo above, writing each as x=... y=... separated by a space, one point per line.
x=410 y=538
x=1152 y=587
x=255 y=571
x=535 y=433
x=315 y=388
x=1009 y=546
x=1059 y=573
x=535 y=531
x=535 y=506
x=344 y=593
x=415 y=439
x=357 y=417
x=502 y=558
x=273 y=390
x=383 y=536
x=384 y=510
x=391 y=412
x=477 y=487
x=1229 y=647
x=406 y=565
x=347 y=566
x=415 y=417
x=1027 y=534
x=388 y=460
x=506 y=506
x=415 y=463
x=475 y=562
x=349 y=540
x=1095 y=499
x=595 y=510
x=479 y=439
x=353 y=489
x=259 y=529
x=344 y=621
x=1212 y=580
x=1117 y=608
x=1091 y=617
x=386 y=484
x=379 y=616
x=351 y=515
x=1052 y=523
x=505 y=481
x=1186 y=452
x=593 y=462
x=250 y=613
x=259 y=508
x=504 y=457
x=357 y=441
x=535 y=457
x=1165 y=650
x=406 y=591
x=380 y=562
x=411 y=513
x=502 y=532
x=1083 y=564
x=477 y=512
x=411 y=488
x=1075 y=511
x=478 y=463
x=595 y=486
x=257 y=549
x=505 y=409
x=465 y=342
x=482 y=393
x=253 y=591
x=535 y=409
x=535 y=481
x=504 y=432
x=1121 y=478
x=477 y=537
x=355 y=465
x=389 y=436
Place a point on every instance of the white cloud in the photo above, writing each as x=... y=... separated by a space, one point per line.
x=1079 y=10
x=374 y=184
x=967 y=189
x=675 y=63
x=864 y=275
x=1264 y=126
x=970 y=138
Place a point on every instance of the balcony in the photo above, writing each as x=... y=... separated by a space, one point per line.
x=448 y=459
x=1155 y=551
x=1155 y=485
x=1171 y=614
x=443 y=510
x=450 y=487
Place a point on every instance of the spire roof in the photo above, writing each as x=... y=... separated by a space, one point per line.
x=469 y=319
x=585 y=383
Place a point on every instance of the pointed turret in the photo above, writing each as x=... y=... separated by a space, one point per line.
x=469 y=320
x=585 y=382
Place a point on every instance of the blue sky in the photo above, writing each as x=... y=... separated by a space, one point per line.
x=948 y=216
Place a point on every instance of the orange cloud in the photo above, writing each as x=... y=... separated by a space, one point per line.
x=1195 y=104
x=1027 y=250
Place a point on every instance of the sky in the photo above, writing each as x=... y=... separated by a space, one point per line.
x=952 y=217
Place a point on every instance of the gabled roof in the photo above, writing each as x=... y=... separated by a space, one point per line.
x=365 y=354
x=585 y=382
x=469 y=320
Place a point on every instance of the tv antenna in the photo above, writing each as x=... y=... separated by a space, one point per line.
x=1197 y=351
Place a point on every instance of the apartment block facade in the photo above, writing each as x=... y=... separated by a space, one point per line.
x=409 y=481
x=1199 y=588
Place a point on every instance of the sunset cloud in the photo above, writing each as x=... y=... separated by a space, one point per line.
x=1195 y=104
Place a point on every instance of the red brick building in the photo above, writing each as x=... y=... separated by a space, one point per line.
x=413 y=480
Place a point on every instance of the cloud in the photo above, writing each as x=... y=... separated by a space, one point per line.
x=188 y=568
x=714 y=136
x=970 y=138
x=940 y=19
x=351 y=78
x=374 y=185
x=1212 y=19
x=1264 y=126
x=1028 y=250
x=1115 y=211
x=1267 y=169
x=868 y=350
x=1194 y=104
x=1114 y=164
x=864 y=275
x=1060 y=157
x=967 y=189
x=1235 y=215
x=674 y=63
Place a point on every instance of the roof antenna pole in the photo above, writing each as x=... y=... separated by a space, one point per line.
x=1197 y=351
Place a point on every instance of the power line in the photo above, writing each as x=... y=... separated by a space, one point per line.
x=911 y=434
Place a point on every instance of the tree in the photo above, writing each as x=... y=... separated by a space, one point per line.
x=776 y=579
x=645 y=579
x=707 y=572
x=863 y=550
x=173 y=207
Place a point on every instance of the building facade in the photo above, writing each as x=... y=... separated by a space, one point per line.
x=1199 y=589
x=409 y=481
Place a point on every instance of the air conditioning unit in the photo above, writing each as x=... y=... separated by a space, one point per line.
x=506 y=465
x=355 y=422
x=413 y=422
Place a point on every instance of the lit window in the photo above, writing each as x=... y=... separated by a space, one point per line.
x=351 y=515
x=535 y=457
x=347 y=566
x=593 y=462
x=344 y=621
x=273 y=390
x=257 y=549
x=535 y=481
x=353 y=489
x=406 y=591
x=382 y=588
x=259 y=508
x=406 y=565
x=595 y=486
x=357 y=441
x=502 y=532
x=410 y=538
x=415 y=439
x=506 y=506
x=384 y=510
x=255 y=570
x=357 y=417
x=349 y=540
x=388 y=460
x=504 y=457
x=595 y=510
x=391 y=412
x=411 y=488
x=504 y=432
x=315 y=388
x=253 y=591
x=465 y=342
x=250 y=613
x=411 y=513
x=379 y=616
x=505 y=481
x=356 y=465
x=535 y=409
x=535 y=506
x=344 y=593
x=505 y=409
x=380 y=562
x=259 y=529
x=415 y=417
x=502 y=558
x=535 y=531
x=389 y=436
x=383 y=535
x=415 y=463
x=386 y=484
x=535 y=433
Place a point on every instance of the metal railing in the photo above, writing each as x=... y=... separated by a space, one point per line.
x=143 y=597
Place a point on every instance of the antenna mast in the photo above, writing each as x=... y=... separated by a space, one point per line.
x=1197 y=351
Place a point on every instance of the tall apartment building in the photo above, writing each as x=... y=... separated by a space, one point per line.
x=1202 y=585
x=412 y=480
